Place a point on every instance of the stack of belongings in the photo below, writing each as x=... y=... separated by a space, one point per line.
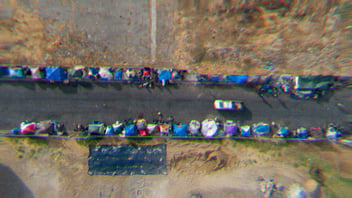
x=194 y=127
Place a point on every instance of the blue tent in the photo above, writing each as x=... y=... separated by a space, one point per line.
x=130 y=129
x=246 y=131
x=237 y=79
x=109 y=130
x=283 y=132
x=215 y=78
x=55 y=74
x=302 y=133
x=118 y=74
x=4 y=71
x=261 y=129
x=164 y=75
x=93 y=73
x=180 y=130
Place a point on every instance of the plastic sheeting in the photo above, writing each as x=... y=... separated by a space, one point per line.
x=55 y=74
x=261 y=129
x=180 y=130
x=230 y=128
x=237 y=79
x=209 y=128
x=127 y=160
x=194 y=127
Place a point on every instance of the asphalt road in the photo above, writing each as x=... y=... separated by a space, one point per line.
x=110 y=102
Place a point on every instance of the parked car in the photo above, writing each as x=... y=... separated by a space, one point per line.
x=230 y=105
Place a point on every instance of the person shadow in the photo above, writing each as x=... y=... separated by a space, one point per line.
x=11 y=186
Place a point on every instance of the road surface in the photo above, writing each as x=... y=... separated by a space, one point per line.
x=83 y=103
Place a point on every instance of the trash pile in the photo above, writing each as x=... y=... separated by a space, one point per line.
x=208 y=128
x=298 y=87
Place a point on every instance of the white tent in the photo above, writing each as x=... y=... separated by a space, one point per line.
x=105 y=73
x=35 y=73
x=209 y=128
x=194 y=127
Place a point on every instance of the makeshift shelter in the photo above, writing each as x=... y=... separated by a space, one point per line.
x=130 y=130
x=93 y=73
x=4 y=72
x=152 y=128
x=332 y=133
x=16 y=72
x=194 y=127
x=230 y=128
x=165 y=129
x=209 y=128
x=261 y=129
x=180 y=130
x=48 y=127
x=302 y=133
x=245 y=131
x=96 y=128
x=36 y=73
x=28 y=128
x=55 y=74
x=283 y=132
x=215 y=78
x=109 y=130
x=105 y=74
x=118 y=127
x=236 y=79
x=77 y=73
x=314 y=82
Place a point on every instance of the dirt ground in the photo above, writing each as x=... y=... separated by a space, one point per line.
x=58 y=168
x=210 y=36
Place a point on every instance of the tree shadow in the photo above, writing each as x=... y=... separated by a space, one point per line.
x=11 y=185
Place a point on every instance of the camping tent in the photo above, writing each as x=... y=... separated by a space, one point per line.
x=209 y=128
x=28 y=128
x=118 y=74
x=261 y=129
x=230 y=128
x=236 y=79
x=180 y=130
x=96 y=129
x=117 y=127
x=77 y=73
x=130 y=129
x=302 y=133
x=105 y=74
x=246 y=131
x=55 y=74
x=16 y=72
x=164 y=75
x=93 y=73
x=283 y=132
x=36 y=73
x=194 y=127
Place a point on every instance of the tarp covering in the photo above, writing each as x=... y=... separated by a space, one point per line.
x=130 y=129
x=16 y=72
x=246 y=131
x=55 y=74
x=180 y=130
x=261 y=129
x=4 y=71
x=194 y=127
x=105 y=73
x=127 y=160
x=164 y=74
x=313 y=82
x=237 y=79
x=209 y=128
x=231 y=128
x=96 y=129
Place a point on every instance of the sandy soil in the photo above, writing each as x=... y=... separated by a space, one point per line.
x=58 y=168
x=211 y=36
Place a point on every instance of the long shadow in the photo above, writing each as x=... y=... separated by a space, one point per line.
x=266 y=102
x=26 y=84
x=242 y=116
x=86 y=85
x=11 y=186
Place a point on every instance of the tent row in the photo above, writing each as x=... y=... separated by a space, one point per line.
x=208 y=128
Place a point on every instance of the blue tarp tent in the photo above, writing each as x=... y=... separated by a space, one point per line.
x=109 y=130
x=237 y=79
x=16 y=72
x=180 y=130
x=118 y=74
x=4 y=71
x=55 y=74
x=164 y=75
x=261 y=129
x=230 y=128
x=246 y=131
x=130 y=129
x=93 y=73
x=302 y=133
x=283 y=132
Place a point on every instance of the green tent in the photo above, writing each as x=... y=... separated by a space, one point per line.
x=314 y=82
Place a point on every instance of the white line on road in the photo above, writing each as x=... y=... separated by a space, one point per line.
x=153 y=29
